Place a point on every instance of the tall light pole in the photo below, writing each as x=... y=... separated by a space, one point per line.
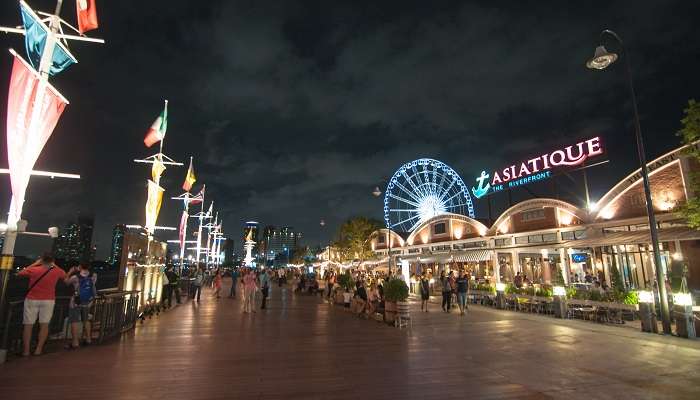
x=601 y=60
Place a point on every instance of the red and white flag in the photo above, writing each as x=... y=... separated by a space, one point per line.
x=87 y=15
x=183 y=227
x=33 y=110
x=199 y=198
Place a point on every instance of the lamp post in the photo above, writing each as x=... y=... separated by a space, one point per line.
x=601 y=60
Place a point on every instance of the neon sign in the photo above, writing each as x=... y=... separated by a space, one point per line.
x=536 y=169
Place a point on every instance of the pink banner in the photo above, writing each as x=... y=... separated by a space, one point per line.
x=33 y=110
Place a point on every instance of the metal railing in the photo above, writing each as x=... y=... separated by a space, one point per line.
x=113 y=312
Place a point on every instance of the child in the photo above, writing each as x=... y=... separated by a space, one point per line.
x=346 y=298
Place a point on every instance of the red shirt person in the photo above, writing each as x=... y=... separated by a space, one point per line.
x=43 y=275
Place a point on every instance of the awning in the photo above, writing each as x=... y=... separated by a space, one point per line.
x=473 y=256
x=634 y=237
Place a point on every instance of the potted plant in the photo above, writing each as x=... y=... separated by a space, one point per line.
x=395 y=291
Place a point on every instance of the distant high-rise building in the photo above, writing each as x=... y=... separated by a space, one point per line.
x=229 y=253
x=117 y=244
x=267 y=243
x=74 y=244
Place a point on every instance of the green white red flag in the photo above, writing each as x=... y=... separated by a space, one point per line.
x=157 y=131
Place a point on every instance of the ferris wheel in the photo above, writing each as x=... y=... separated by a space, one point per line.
x=422 y=189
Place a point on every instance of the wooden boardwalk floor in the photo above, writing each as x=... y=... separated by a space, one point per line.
x=302 y=348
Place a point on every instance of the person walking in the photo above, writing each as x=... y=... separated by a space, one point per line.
x=281 y=277
x=264 y=287
x=249 y=288
x=198 y=282
x=234 y=282
x=40 y=300
x=424 y=292
x=462 y=289
x=85 y=291
x=446 y=292
x=172 y=288
x=331 y=284
x=217 y=284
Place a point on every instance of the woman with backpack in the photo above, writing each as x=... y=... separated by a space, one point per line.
x=83 y=283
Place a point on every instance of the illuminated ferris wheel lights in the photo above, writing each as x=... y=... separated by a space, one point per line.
x=423 y=189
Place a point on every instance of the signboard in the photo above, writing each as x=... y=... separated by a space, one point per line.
x=538 y=168
x=579 y=257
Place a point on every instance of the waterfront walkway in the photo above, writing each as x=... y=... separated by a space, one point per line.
x=302 y=348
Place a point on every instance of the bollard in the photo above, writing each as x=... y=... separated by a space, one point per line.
x=683 y=314
x=560 y=310
x=685 y=322
x=648 y=317
x=500 y=301
x=500 y=295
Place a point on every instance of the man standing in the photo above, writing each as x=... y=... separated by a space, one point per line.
x=198 y=282
x=40 y=300
x=84 y=290
x=234 y=282
x=264 y=287
x=462 y=289
x=170 y=288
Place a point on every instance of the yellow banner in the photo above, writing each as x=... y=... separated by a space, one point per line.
x=155 y=199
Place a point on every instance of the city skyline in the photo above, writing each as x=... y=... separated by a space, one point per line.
x=301 y=151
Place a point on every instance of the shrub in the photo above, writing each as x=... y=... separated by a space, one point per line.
x=545 y=292
x=396 y=290
x=631 y=298
x=345 y=281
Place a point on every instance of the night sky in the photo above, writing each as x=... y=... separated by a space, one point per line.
x=294 y=111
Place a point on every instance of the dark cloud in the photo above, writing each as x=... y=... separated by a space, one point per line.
x=294 y=111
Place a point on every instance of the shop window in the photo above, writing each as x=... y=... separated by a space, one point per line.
x=532 y=215
x=414 y=251
x=580 y=234
x=440 y=228
x=503 y=242
x=521 y=240
x=611 y=229
x=534 y=239
x=569 y=235
x=549 y=237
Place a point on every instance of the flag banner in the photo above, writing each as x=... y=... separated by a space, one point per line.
x=35 y=37
x=33 y=110
x=211 y=210
x=157 y=170
x=87 y=15
x=155 y=199
x=198 y=198
x=157 y=131
x=183 y=227
x=190 y=178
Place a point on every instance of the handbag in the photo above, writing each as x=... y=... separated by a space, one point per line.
x=37 y=281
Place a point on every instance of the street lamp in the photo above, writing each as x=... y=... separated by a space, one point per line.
x=601 y=60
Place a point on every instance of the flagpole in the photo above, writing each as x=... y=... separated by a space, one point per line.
x=184 y=228
x=199 y=230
